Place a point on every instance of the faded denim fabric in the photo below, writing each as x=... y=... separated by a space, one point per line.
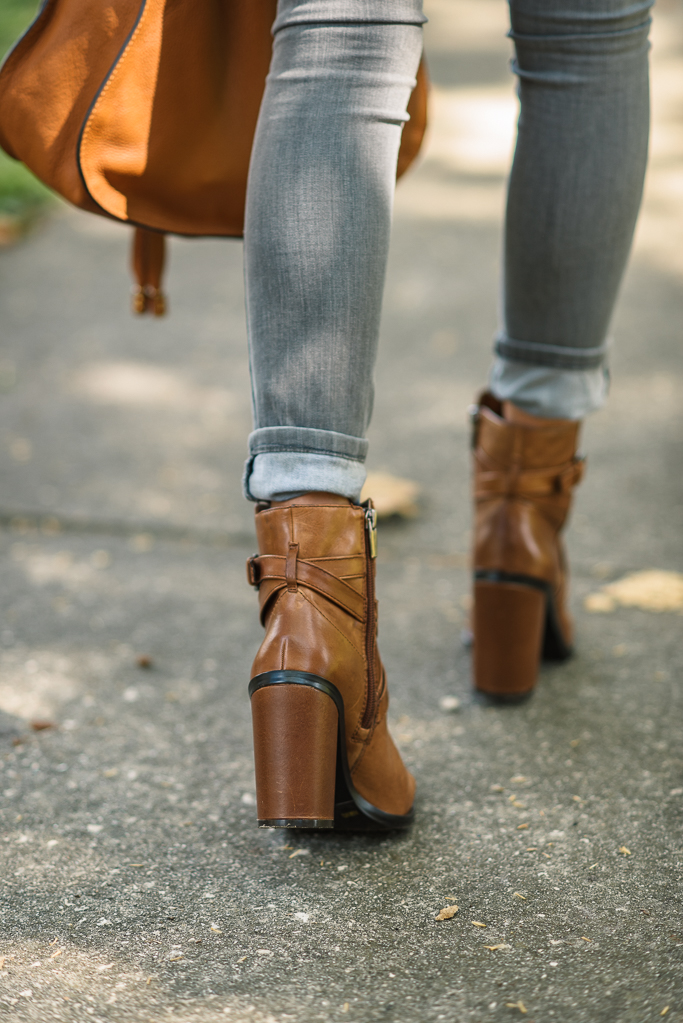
x=319 y=208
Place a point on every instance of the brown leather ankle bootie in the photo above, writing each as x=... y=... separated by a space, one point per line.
x=523 y=480
x=324 y=757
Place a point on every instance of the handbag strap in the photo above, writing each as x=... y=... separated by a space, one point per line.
x=148 y=258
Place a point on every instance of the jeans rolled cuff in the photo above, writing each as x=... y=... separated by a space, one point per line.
x=282 y=475
x=551 y=393
x=286 y=461
x=552 y=356
x=304 y=439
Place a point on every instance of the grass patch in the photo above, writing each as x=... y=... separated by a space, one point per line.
x=21 y=194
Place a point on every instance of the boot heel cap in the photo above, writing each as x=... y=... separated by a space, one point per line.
x=312 y=823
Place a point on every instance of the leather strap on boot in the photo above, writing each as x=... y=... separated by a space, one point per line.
x=529 y=483
x=270 y=573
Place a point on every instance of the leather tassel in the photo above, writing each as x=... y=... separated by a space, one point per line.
x=148 y=258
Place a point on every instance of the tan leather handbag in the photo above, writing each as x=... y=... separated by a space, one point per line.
x=145 y=110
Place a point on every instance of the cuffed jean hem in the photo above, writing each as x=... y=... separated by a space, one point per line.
x=282 y=475
x=553 y=356
x=286 y=461
x=549 y=392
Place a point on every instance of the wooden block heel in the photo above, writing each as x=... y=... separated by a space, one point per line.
x=302 y=772
x=295 y=754
x=509 y=620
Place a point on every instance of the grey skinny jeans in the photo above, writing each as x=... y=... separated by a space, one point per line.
x=319 y=208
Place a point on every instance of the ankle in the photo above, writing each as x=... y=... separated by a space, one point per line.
x=518 y=417
x=314 y=498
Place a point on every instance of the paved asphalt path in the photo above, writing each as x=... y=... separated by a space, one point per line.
x=135 y=885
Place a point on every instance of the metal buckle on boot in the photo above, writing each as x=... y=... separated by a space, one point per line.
x=473 y=413
x=572 y=475
x=253 y=572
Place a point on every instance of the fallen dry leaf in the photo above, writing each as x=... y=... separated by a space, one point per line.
x=624 y=851
x=532 y=848
x=664 y=1010
x=450 y=704
x=391 y=495
x=515 y=1005
x=478 y=923
x=447 y=913
x=521 y=827
x=11 y=230
x=650 y=590
x=345 y=1007
x=41 y=726
x=599 y=603
x=494 y=948
x=520 y=806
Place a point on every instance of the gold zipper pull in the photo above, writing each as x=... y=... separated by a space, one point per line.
x=371 y=526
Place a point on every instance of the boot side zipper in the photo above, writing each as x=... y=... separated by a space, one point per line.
x=371 y=625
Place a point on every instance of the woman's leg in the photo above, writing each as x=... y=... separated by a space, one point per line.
x=573 y=199
x=319 y=204
x=316 y=237
x=574 y=195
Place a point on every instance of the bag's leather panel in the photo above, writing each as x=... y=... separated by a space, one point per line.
x=168 y=141
x=151 y=104
x=49 y=81
x=414 y=130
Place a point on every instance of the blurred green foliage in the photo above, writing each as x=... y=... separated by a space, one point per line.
x=20 y=192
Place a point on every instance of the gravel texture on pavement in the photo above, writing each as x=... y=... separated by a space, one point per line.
x=135 y=884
